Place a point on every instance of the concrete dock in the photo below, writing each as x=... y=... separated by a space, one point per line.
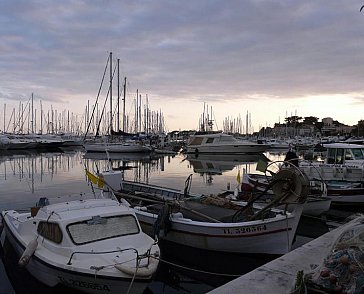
x=279 y=275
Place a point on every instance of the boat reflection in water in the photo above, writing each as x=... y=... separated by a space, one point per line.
x=217 y=164
x=208 y=165
x=117 y=156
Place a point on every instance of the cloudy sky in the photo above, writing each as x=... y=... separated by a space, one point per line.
x=270 y=58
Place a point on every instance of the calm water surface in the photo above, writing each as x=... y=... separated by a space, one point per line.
x=60 y=176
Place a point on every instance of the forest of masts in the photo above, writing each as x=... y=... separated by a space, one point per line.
x=230 y=125
x=95 y=120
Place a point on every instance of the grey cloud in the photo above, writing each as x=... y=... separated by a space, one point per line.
x=215 y=49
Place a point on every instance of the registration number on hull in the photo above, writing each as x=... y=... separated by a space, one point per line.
x=245 y=230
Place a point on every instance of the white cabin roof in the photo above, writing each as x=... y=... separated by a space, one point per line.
x=343 y=146
x=79 y=209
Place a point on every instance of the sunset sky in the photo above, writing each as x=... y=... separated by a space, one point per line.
x=270 y=58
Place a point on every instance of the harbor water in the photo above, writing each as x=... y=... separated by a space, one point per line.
x=60 y=176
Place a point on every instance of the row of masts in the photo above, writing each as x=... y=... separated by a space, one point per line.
x=94 y=121
x=233 y=125
x=27 y=120
x=230 y=125
x=144 y=119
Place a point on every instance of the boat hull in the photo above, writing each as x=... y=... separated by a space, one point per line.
x=51 y=275
x=259 y=237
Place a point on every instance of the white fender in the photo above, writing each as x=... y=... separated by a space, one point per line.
x=28 y=252
x=142 y=271
x=1 y=224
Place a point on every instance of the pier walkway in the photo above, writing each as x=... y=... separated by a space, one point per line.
x=279 y=275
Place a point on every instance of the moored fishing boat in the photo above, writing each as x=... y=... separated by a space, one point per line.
x=91 y=245
x=213 y=223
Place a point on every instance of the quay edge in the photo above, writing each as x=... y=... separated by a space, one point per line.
x=279 y=275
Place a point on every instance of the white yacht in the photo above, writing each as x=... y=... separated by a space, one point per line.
x=220 y=143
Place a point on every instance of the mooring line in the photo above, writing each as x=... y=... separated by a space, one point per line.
x=193 y=269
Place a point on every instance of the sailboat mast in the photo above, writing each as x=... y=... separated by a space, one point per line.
x=118 y=121
x=136 y=112
x=124 y=104
x=140 y=113
x=32 y=116
x=4 y=116
x=110 y=92
x=41 y=118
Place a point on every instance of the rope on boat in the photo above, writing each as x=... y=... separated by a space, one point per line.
x=98 y=268
x=195 y=270
x=132 y=280
x=138 y=259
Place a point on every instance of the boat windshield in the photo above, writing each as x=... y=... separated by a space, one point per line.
x=101 y=228
x=358 y=153
x=196 y=141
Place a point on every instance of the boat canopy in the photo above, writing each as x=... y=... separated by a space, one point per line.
x=339 y=153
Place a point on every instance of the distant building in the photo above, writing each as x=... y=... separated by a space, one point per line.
x=333 y=127
x=328 y=127
x=360 y=129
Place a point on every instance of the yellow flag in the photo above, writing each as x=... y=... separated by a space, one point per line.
x=92 y=177
x=238 y=177
x=100 y=182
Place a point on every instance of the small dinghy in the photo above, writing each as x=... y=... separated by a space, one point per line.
x=94 y=246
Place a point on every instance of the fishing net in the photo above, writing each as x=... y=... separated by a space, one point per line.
x=342 y=271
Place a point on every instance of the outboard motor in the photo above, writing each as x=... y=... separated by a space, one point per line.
x=43 y=201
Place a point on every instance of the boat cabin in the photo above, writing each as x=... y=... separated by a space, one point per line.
x=343 y=153
x=85 y=221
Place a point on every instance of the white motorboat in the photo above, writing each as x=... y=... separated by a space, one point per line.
x=193 y=220
x=220 y=143
x=94 y=246
x=344 y=162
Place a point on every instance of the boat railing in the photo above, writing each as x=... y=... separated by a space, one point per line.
x=138 y=256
